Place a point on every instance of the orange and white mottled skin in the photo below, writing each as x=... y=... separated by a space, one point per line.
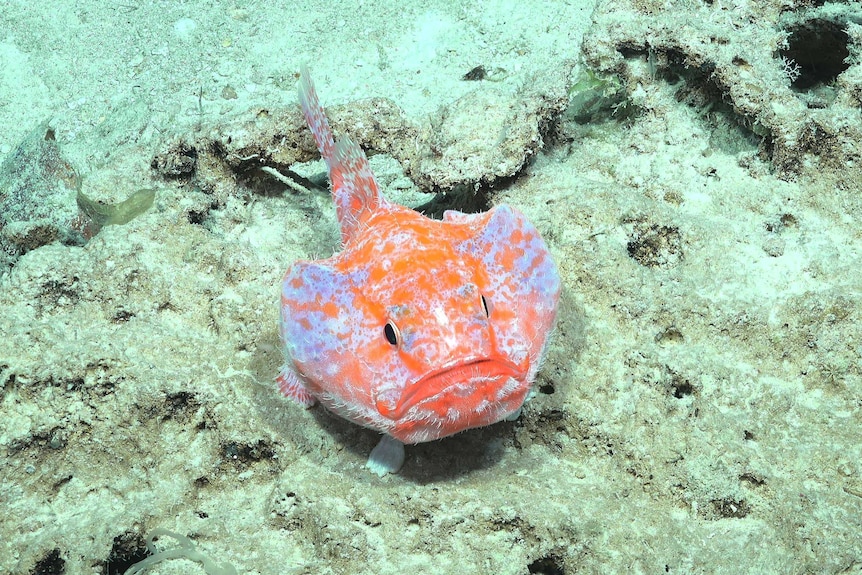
x=417 y=328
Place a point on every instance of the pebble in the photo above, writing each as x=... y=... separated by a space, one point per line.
x=184 y=27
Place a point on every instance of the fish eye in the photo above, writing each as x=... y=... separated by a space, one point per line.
x=485 y=307
x=393 y=335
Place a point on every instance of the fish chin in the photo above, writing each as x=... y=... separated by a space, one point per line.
x=468 y=394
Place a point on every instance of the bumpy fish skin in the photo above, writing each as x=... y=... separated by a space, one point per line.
x=417 y=328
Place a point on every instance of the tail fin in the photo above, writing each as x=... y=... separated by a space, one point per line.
x=354 y=188
x=315 y=117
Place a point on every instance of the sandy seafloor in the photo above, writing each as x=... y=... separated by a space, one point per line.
x=699 y=411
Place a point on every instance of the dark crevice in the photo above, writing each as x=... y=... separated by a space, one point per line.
x=816 y=53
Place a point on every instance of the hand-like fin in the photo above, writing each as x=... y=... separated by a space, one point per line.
x=386 y=457
x=290 y=385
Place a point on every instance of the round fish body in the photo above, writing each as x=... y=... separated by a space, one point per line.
x=417 y=328
x=421 y=328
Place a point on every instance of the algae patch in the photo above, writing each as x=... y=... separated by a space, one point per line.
x=102 y=215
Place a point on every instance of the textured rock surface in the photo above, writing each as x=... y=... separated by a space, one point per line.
x=36 y=186
x=699 y=410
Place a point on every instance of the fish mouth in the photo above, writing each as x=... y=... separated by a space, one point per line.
x=465 y=389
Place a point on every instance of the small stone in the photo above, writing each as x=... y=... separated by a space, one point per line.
x=184 y=28
x=774 y=246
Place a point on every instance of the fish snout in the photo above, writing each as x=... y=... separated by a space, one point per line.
x=459 y=396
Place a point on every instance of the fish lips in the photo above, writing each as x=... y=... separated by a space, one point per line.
x=477 y=391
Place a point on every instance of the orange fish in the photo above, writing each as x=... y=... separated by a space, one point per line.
x=417 y=328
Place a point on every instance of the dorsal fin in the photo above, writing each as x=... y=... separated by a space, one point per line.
x=354 y=189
